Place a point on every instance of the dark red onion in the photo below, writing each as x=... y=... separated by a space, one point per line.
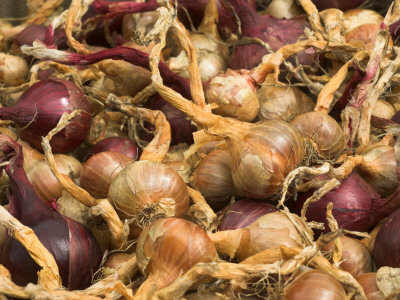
x=116 y=144
x=181 y=127
x=73 y=246
x=243 y=213
x=396 y=117
x=356 y=205
x=340 y=4
x=386 y=250
x=275 y=32
x=40 y=108
x=30 y=34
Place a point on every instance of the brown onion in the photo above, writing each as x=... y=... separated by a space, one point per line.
x=364 y=36
x=147 y=191
x=383 y=109
x=45 y=183
x=213 y=178
x=355 y=258
x=13 y=69
x=99 y=171
x=356 y=17
x=379 y=169
x=314 y=285
x=323 y=130
x=283 y=9
x=371 y=289
x=167 y=249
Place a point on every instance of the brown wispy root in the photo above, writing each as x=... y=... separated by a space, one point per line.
x=101 y=207
x=201 y=212
x=157 y=149
x=113 y=286
x=39 y=17
x=48 y=276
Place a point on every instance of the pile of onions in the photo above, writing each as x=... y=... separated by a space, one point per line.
x=73 y=246
x=40 y=108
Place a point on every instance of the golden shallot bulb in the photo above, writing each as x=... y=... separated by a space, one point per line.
x=370 y=287
x=282 y=103
x=142 y=22
x=213 y=178
x=264 y=156
x=364 y=36
x=355 y=259
x=314 y=285
x=379 y=169
x=235 y=94
x=13 y=69
x=147 y=191
x=323 y=130
x=356 y=17
x=167 y=249
x=383 y=109
x=45 y=183
x=283 y=9
x=99 y=170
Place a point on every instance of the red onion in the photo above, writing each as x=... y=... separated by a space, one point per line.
x=73 y=246
x=243 y=213
x=40 y=108
x=356 y=204
x=47 y=35
x=340 y=4
x=122 y=145
x=275 y=32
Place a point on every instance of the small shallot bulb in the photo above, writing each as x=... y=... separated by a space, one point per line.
x=379 y=169
x=213 y=178
x=371 y=289
x=314 y=285
x=383 y=109
x=282 y=103
x=235 y=93
x=142 y=22
x=356 y=17
x=355 y=259
x=323 y=130
x=283 y=9
x=45 y=183
x=147 y=191
x=13 y=69
x=167 y=249
x=114 y=261
x=364 y=36
x=99 y=171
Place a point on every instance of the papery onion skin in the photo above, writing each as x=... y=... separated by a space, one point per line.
x=364 y=36
x=314 y=285
x=213 y=178
x=13 y=69
x=355 y=258
x=99 y=171
x=118 y=144
x=383 y=109
x=41 y=107
x=356 y=205
x=169 y=247
x=356 y=17
x=370 y=287
x=148 y=190
x=243 y=213
x=265 y=155
x=324 y=130
x=386 y=250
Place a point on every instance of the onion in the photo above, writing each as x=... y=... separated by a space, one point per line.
x=383 y=109
x=364 y=36
x=142 y=22
x=269 y=231
x=43 y=180
x=99 y=171
x=356 y=205
x=30 y=34
x=121 y=145
x=314 y=285
x=356 y=17
x=355 y=258
x=148 y=191
x=40 y=108
x=371 y=289
x=340 y=4
x=283 y=9
x=182 y=242
x=74 y=248
x=13 y=69
x=243 y=213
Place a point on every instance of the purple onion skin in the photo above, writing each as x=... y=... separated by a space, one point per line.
x=386 y=250
x=356 y=205
x=181 y=127
x=243 y=213
x=396 y=117
x=30 y=34
x=42 y=106
x=340 y=4
x=116 y=144
x=276 y=32
x=74 y=248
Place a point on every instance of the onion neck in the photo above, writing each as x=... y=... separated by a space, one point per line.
x=20 y=114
